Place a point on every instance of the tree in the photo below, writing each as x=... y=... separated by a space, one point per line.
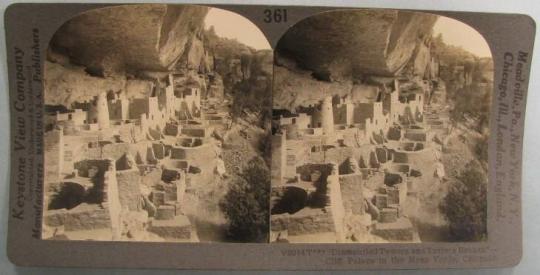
x=465 y=205
x=246 y=205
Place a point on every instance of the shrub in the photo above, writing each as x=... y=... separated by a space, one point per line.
x=465 y=206
x=246 y=204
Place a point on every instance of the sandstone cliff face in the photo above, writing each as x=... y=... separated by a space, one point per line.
x=123 y=48
x=421 y=58
x=351 y=43
x=237 y=63
x=196 y=56
x=232 y=60
x=151 y=37
x=349 y=53
x=64 y=84
x=293 y=87
x=116 y=49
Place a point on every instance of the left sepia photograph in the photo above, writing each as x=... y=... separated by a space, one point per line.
x=157 y=126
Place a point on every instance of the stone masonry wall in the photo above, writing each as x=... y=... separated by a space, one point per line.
x=352 y=193
x=111 y=199
x=128 y=188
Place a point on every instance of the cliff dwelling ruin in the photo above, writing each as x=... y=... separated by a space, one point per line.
x=354 y=129
x=363 y=135
x=141 y=142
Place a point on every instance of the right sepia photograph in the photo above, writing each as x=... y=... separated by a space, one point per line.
x=380 y=129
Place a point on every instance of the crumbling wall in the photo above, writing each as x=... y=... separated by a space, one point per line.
x=400 y=230
x=317 y=221
x=327 y=117
x=336 y=203
x=352 y=190
x=175 y=229
x=128 y=188
x=111 y=199
x=87 y=217
x=101 y=209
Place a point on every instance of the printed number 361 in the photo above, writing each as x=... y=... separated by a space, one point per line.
x=275 y=15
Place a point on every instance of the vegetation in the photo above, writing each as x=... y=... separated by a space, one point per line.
x=246 y=205
x=465 y=206
x=247 y=84
x=253 y=96
x=472 y=101
x=468 y=83
x=251 y=87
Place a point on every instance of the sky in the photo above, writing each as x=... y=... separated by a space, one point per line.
x=460 y=34
x=231 y=25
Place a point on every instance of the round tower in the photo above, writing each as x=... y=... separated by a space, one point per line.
x=102 y=111
x=327 y=116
